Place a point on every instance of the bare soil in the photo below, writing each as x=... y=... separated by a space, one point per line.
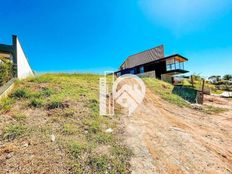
x=169 y=139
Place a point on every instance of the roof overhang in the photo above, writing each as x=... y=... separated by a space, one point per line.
x=176 y=72
x=176 y=57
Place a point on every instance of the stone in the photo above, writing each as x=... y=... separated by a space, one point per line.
x=109 y=130
x=9 y=155
x=53 y=138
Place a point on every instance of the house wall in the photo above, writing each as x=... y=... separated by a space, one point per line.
x=23 y=68
x=159 y=68
x=151 y=74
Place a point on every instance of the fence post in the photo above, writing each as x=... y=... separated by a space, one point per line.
x=203 y=89
x=192 y=80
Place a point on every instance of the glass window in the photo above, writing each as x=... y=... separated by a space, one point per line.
x=132 y=71
x=141 y=69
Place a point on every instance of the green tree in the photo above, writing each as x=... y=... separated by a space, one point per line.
x=227 y=77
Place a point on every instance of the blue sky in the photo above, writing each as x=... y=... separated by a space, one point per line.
x=94 y=36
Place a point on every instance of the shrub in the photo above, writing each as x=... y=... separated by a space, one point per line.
x=6 y=70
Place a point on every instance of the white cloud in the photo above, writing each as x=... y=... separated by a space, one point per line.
x=184 y=15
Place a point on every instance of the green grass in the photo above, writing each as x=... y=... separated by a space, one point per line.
x=36 y=103
x=164 y=90
x=76 y=148
x=54 y=104
x=69 y=104
x=20 y=93
x=214 y=110
x=6 y=104
x=19 y=117
x=13 y=131
x=100 y=163
x=69 y=129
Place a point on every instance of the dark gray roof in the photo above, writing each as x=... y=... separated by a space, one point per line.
x=144 y=57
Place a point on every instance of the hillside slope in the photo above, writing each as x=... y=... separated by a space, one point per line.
x=50 y=124
x=168 y=136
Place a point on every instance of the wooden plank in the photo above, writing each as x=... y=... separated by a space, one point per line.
x=6 y=88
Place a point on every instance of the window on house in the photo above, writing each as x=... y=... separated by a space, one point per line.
x=132 y=71
x=173 y=64
x=141 y=69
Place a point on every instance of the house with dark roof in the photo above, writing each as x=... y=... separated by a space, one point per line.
x=153 y=63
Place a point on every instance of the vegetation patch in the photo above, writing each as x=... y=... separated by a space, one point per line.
x=100 y=163
x=6 y=70
x=54 y=104
x=6 y=104
x=69 y=129
x=76 y=148
x=164 y=90
x=19 y=116
x=20 y=93
x=67 y=108
x=214 y=110
x=36 y=103
x=13 y=131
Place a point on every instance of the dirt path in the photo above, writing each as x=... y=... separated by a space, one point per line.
x=168 y=139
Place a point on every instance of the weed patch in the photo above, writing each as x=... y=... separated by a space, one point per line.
x=54 y=104
x=20 y=93
x=76 y=148
x=213 y=110
x=164 y=90
x=19 y=117
x=13 y=131
x=36 y=103
x=6 y=104
x=100 y=163
x=69 y=129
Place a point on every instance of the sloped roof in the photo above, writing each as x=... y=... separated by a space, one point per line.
x=144 y=57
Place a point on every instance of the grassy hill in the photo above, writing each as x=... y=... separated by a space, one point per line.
x=50 y=124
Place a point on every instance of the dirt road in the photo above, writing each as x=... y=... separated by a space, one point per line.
x=168 y=139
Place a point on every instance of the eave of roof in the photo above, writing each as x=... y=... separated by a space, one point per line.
x=156 y=61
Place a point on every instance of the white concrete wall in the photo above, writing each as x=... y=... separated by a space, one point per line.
x=23 y=68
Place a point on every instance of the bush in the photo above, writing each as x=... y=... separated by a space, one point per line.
x=6 y=70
